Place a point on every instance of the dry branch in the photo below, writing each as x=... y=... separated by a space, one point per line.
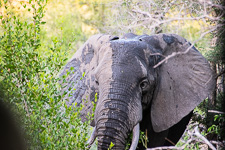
x=153 y=15
x=220 y=74
x=203 y=138
x=215 y=111
x=194 y=136
x=222 y=144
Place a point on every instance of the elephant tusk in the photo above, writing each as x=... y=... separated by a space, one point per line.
x=135 y=137
x=92 y=138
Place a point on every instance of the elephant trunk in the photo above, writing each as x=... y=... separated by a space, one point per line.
x=117 y=113
x=112 y=125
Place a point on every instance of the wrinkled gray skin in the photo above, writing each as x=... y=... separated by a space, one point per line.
x=131 y=92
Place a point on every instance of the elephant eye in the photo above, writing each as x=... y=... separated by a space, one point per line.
x=144 y=85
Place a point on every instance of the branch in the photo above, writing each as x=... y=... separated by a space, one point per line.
x=215 y=111
x=150 y=19
x=157 y=54
x=203 y=138
x=218 y=143
x=171 y=147
x=191 y=134
x=220 y=74
x=213 y=5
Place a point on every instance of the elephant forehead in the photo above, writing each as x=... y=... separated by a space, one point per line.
x=128 y=50
x=128 y=61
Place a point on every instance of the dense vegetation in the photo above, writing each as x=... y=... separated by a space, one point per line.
x=38 y=37
x=29 y=80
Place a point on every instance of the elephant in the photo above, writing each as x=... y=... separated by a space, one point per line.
x=133 y=93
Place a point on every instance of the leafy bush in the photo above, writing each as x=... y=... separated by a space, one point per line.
x=29 y=78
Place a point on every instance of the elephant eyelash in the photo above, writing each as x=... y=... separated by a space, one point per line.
x=143 y=79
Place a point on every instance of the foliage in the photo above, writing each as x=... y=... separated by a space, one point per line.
x=37 y=37
x=111 y=146
x=29 y=75
x=143 y=139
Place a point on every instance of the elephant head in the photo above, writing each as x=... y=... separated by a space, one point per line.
x=132 y=93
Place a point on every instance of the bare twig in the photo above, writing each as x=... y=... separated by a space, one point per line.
x=195 y=132
x=157 y=54
x=212 y=5
x=153 y=16
x=220 y=74
x=171 y=147
x=149 y=20
x=215 y=111
x=218 y=143
x=170 y=141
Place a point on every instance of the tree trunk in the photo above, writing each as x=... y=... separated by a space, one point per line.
x=212 y=96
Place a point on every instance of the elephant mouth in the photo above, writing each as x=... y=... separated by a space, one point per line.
x=135 y=137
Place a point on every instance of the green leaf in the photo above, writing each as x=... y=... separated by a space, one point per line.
x=83 y=74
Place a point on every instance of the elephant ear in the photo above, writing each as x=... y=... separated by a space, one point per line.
x=184 y=81
x=78 y=81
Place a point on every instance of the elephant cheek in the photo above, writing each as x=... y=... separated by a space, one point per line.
x=135 y=111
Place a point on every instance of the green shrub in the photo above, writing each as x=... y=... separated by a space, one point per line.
x=29 y=76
